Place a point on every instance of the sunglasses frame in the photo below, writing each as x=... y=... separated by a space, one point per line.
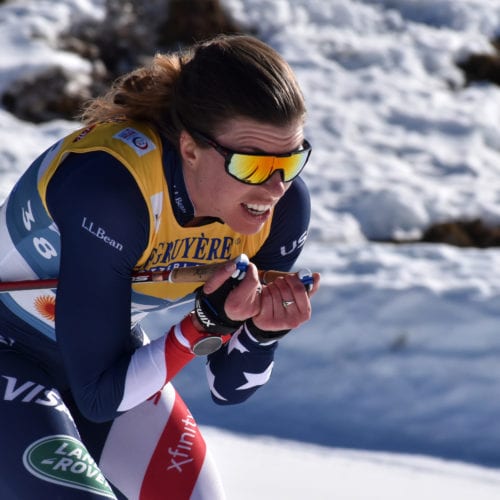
x=227 y=154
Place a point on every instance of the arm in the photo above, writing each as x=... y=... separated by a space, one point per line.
x=91 y=194
x=243 y=365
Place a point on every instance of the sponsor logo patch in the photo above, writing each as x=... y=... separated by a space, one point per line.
x=140 y=143
x=100 y=233
x=64 y=460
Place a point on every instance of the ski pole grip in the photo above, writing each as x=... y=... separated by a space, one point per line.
x=200 y=274
x=305 y=275
x=193 y=274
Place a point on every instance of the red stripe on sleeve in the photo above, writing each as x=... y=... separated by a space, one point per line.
x=176 y=355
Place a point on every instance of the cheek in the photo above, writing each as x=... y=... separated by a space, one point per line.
x=221 y=193
x=216 y=182
x=207 y=175
x=214 y=193
x=226 y=197
x=213 y=183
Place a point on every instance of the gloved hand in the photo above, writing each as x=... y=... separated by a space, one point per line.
x=209 y=308
x=263 y=336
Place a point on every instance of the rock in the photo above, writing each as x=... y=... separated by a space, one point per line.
x=482 y=67
x=192 y=20
x=46 y=96
x=472 y=233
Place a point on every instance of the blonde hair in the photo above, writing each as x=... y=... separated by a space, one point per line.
x=202 y=86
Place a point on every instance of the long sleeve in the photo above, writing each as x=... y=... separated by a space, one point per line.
x=239 y=368
x=243 y=365
x=92 y=195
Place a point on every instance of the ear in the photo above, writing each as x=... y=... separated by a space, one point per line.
x=188 y=148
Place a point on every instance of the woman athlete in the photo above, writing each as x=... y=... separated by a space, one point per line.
x=193 y=159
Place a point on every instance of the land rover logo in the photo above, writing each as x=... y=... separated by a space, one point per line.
x=64 y=460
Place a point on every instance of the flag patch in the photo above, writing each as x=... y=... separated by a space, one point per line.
x=140 y=143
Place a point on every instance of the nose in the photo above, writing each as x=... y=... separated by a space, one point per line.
x=275 y=184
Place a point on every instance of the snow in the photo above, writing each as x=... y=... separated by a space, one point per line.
x=392 y=389
x=286 y=469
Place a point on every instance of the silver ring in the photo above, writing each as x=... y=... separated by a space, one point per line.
x=287 y=303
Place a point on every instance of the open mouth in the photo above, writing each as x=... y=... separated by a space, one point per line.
x=255 y=209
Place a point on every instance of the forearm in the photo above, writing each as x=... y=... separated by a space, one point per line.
x=237 y=370
x=155 y=364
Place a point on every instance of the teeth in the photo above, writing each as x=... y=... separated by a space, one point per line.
x=258 y=208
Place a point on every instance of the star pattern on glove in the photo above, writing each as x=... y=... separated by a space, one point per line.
x=211 y=384
x=235 y=343
x=256 y=379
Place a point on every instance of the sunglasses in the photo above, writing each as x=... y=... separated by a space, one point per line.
x=257 y=168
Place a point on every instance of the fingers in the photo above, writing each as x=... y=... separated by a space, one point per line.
x=317 y=279
x=292 y=295
x=220 y=276
x=284 y=304
x=244 y=301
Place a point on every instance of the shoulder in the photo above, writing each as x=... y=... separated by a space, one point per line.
x=288 y=229
x=95 y=182
x=92 y=195
x=295 y=204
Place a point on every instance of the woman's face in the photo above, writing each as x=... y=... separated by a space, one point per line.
x=214 y=193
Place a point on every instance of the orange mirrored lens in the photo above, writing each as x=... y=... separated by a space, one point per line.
x=257 y=169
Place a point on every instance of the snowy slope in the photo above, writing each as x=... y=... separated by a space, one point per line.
x=402 y=353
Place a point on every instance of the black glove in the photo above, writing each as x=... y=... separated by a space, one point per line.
x=209 y=308
x=262 y=335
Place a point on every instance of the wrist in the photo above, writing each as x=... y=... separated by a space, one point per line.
x=190 y=334
x=212 y=318
x=196 y=323
x=210 y=308
x=263 y=336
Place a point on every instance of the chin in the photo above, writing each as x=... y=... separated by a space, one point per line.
x=244 y=222
x=247 y=228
